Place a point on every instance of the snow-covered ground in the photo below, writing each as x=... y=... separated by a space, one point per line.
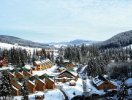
x=128 y=82
x=55 y=94
x=72 y=91
x=9 y=46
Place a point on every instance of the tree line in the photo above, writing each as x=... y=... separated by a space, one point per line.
x=19 y=57
x=98 y=59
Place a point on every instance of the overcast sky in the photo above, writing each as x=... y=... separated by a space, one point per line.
x=65 y=20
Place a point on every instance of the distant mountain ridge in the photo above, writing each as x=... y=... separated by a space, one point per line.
x=120 y=40
x=75 y=42
x=19 y=41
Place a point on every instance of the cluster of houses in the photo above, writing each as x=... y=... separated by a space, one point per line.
x=38 y=83
x=41 y=65
x=43 y=82
x=33 y=83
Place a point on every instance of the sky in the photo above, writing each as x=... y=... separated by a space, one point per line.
x=64 y=20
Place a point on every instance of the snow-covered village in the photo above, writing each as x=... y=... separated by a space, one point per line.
x=47 y=75
x=65 y=50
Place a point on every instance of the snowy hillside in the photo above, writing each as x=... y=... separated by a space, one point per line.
x=9 y=46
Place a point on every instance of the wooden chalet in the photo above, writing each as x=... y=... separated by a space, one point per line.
x=27 y=72
x=43 y=64
x=50 y=84
x=40 y=84
x=101 y=83
x=19 y=75
x=11 y=75
x=66 y=76
x=3 y=62
x=30 y=86
x=34 y=68
x=16 y=86
x=16 y=83
x=15 y=91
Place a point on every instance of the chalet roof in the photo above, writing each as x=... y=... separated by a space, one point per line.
x=42 y=62
x=34 y=77
x=47 y=77
x=37 y=62
x=27 y=67
x=66 y=71
x=15 y=88
x=44 y=76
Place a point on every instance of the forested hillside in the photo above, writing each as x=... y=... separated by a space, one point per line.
x=19 y=41
x=107 y=57
x=119 y=40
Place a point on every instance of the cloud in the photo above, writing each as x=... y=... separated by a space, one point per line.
x=56 y=19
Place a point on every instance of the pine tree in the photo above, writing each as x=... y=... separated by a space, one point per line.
x=24 y=91
x=5 y=86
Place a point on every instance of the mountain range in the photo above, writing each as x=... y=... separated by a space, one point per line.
x=120 y=40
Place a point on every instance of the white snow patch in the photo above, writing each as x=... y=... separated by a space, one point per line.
x=49 y=95
x=128 y=82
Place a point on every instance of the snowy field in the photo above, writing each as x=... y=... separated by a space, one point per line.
x=72 y=91
x=49 y=95
x=9 y=46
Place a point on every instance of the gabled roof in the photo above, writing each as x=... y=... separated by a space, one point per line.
x=34 y=77
x=66 y=71
x=46 y=76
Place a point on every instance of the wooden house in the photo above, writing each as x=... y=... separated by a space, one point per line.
x=15 y=91
x=3 y=61
x=67 y=76
x=34 y=68
x=11 y=75
x=43 y=64
x=19 y=75
x=50 y=84
x=40 y=85
x=37 y=64
x=101 y=83
x=27 y=73
x=16 y=83
x=31 y=86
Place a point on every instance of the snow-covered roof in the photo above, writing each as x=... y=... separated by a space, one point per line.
x=27 y=66
x=37 y=62
x=128 y=82
x=14 y=88
x=72 y=73
x=31 y=82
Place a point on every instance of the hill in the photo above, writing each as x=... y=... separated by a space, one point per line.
x=73 y=42
x=120 y=40
x=19 y=41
